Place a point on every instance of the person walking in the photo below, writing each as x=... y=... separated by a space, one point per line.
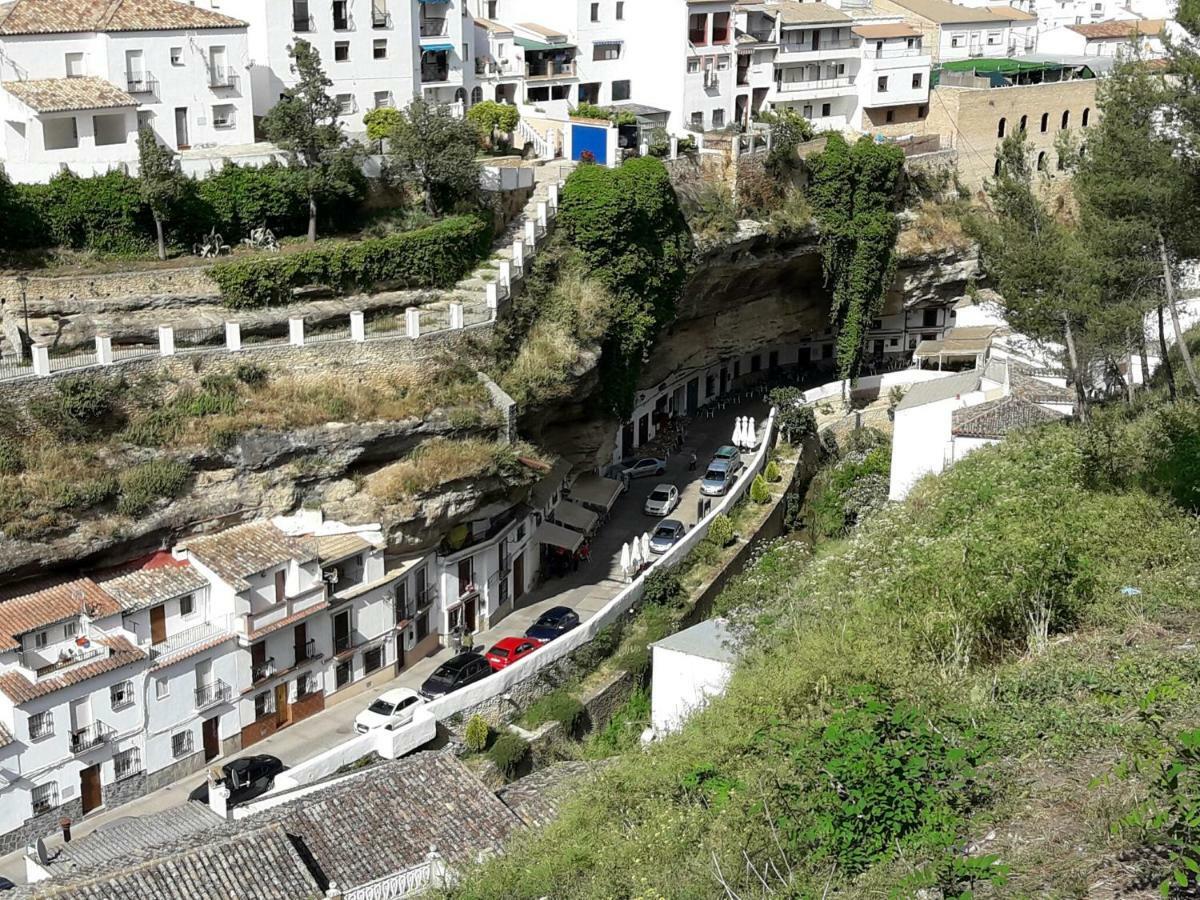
x=692 y=461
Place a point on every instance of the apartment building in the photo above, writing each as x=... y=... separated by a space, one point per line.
x=1112 y=38
x=952 y=32
x=79 y=78
x=894 y=75
x=377 y=53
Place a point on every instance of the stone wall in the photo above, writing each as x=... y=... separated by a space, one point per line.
x=180 y=281
x=40 y=826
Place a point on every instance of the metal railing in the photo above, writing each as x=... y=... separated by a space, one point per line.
x=431 y=76
x=141 y=83
x=303 y=24
x=433 y=27
x=343 y=643
x=550 y=70
x=307 y=651
x=214 y=692
x=263 y=670
x=814 y=84
x=381 y=18
x=212 y=630
x=222 y=77
x=90 y=736
x=43 y=728
x=69 y=655
x=807 y=47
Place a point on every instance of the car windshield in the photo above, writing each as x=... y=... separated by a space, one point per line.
x=714 y=475
x=499 y=652
x=659 y=495
x=382 y=707
x=443 y=673
x=664 y=531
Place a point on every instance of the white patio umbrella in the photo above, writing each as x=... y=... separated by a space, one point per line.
x=625 y=559
x=751 y=434
x=737 y=432
x=635 y=557
x=646 y=546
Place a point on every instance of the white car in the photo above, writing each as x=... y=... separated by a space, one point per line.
x=663 y=499
x=391 y=709
x=648 y=466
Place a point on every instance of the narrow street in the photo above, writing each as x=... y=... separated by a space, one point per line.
x=586 y=591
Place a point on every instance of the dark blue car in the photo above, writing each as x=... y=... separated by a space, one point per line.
x=552 y=623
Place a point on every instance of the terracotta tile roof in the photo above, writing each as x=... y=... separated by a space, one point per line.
x=794 y=13
x=1119 y=28
x=19 y=689
x=335 y=547
x=287 y=620
x=72 y=16
x=943 y=12
x=493 y=27
x=996 y=418
x=1014 y=14
x=889 y=30
x=63 y=94
x=1027 y=387
x=132 y=833
x=5 y=737
x=147 y=587
x=30 y=612
x=248 y=549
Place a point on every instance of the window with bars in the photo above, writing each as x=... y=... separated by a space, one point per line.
x=181 y=743
x=45 y=797
x=127 y=763
x=121 y=695
x=41 y=725
x=264 y=704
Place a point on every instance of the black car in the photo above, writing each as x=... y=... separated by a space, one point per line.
x=553 y=622
x=246 y=778
x=464 y=669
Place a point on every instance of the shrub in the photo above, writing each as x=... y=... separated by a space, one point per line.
x=759 y=492
x=142 y=485
x=11 y=461
x=772 y=473
x=476 y=734
x=590 y=111
x=663 y=588
x=104 y=213
x=842 y=494
x=720 y=532
x=558 y=706
x=704 y=553
x=711 y=213
x=436 y=256
x=1174 y=463
x=759 y=192
x=251 y=373
x=491 y=117
x=81 y=407
x=508 y=752
x=795 y=419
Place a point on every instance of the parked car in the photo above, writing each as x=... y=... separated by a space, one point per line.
x=391 y=709
x=720 y=475
x=666 y=535
x=552 y=623
x=647 y=466
x=507 y=651
x=727 y=452
x=663 y=499
x=464 y=669
x=246 y=778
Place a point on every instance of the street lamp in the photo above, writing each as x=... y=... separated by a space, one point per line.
x=22 y=283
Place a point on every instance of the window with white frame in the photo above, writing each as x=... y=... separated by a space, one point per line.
x=881 y=84
x=44 y=797
x=383 y=99
x=41 y=639
x=177 y=56
x=74 y=65
x=187 y=603
x=120 y=695
x=993 y=38
x=379 y=48
x=162 y=687
x=127 y=763
x=306 y=684
x=341 y=51
x=958 y=40
x=224 y=116
x=605 y=51
x=345 y=103
x=693 y=66
x=718 y=118
x=41 y=725
x=70 y=629
x=181 y=744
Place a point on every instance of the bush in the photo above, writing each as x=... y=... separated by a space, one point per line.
x=436 y=256
x=104 y=213
x=508 y=752
x=1174 y=463
x=711 y=213
x=558 y=706
x=81 y=407
x=491 y=117
x=142 y=485
x=663 y=588
x=844 y=493
x=250 y=373
x=11 y=461
x=720 y=532
x=759 y=492
x=793 y=417
x=772 y=473
x=476 y=734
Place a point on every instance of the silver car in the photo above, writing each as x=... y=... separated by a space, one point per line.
x=720 y=475
x=666 y=535
x=663 y=499
x=648 y=466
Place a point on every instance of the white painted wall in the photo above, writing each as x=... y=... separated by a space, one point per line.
x=681 y=684
x=921 y=441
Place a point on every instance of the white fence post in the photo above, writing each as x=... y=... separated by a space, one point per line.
x=518 y=255
x=493 y=295
x=530 y=234
x=104 y=350
x=457 y=319
x=233 y=336
x=506 y=273
x=552 y=195
x=412 y=322
x=674 y=147
x=543 y=210
x=296 y=332
x=166 y=340
x=358 y=327
x=41 y=359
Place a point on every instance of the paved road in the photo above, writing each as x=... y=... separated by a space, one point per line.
x=586 y=591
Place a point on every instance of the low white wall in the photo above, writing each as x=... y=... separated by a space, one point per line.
x=887 y=380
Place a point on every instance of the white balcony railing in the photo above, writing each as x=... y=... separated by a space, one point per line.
x=308 y=598
x=213 y=629
x=813 y=86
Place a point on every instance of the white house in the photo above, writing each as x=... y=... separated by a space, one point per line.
x=951 y=31
x=377 y=53
x=79 y=78
x=893 y=75
x=1111 y=38
x=689 y=667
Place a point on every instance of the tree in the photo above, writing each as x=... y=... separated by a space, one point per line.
x=789 y=130
x=853 y=191
x=1038 y=264
x=160 y=182
x=381 y=122
x=1137 y=194
x=435 y=152
x=491 y=117
x=304 y=124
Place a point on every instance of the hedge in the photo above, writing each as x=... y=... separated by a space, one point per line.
x=435 y=256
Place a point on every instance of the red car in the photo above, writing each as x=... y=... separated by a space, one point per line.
x=508 y=650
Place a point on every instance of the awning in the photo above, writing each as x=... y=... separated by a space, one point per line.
x=576 y=516
x=549 y=533
x=607 y=43
x=596 y=491
x=436 y=48
x=531 y=44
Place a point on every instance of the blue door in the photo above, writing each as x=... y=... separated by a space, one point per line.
x=593 y=139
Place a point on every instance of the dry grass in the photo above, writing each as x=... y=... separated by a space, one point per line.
x=437 y=462
x=938 y=227
x=57 y=477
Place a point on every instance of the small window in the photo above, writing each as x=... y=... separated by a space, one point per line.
x=44 y=797
x=264 y=704
x=1041 y=161
x=1066 y=118
x=916 y=80
x=826 y=109
x=373 y=660
x=881 y=84
x=723 y=64
x=921 y=112
x=222 y=117
x=620 y=10
x=383 y=99
x=70 y=629
x=718 y=118
x=1000 y=127
x=187 y=603
x=345 y=104
x=341 y=51
x=120 y=695
x=379 y=48
x=41 y=639
x=162 y=687
x=693 y=66
x=595 y=12
x=127 y=763
x=41 y=725
x=993 y=38
x=74 y=65
x=306 y=684
x=605 y=52
x=181 y=744
x=1087 y=114
x=620 y=91
x=1045 y=122
x=177 y=56
x=890 y=116
x=957 y=40
x=1024 y=123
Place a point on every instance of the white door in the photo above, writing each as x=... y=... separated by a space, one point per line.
x=81 y=714
x=135 y=69
x=204 y=673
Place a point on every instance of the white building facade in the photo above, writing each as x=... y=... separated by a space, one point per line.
x=79 y=80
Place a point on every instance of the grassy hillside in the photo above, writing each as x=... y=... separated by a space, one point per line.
x=973 y=692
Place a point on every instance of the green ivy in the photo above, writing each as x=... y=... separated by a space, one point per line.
x=435 y=256
x=853 y=191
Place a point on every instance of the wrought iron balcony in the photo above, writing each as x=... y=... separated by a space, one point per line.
x=303 y=24
x=262 y=670
x=342 y=643
x=307 y=651
x=222 y=77
x=433 y=27
x=90 y=736
x=212 y=693
x=141 y=83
